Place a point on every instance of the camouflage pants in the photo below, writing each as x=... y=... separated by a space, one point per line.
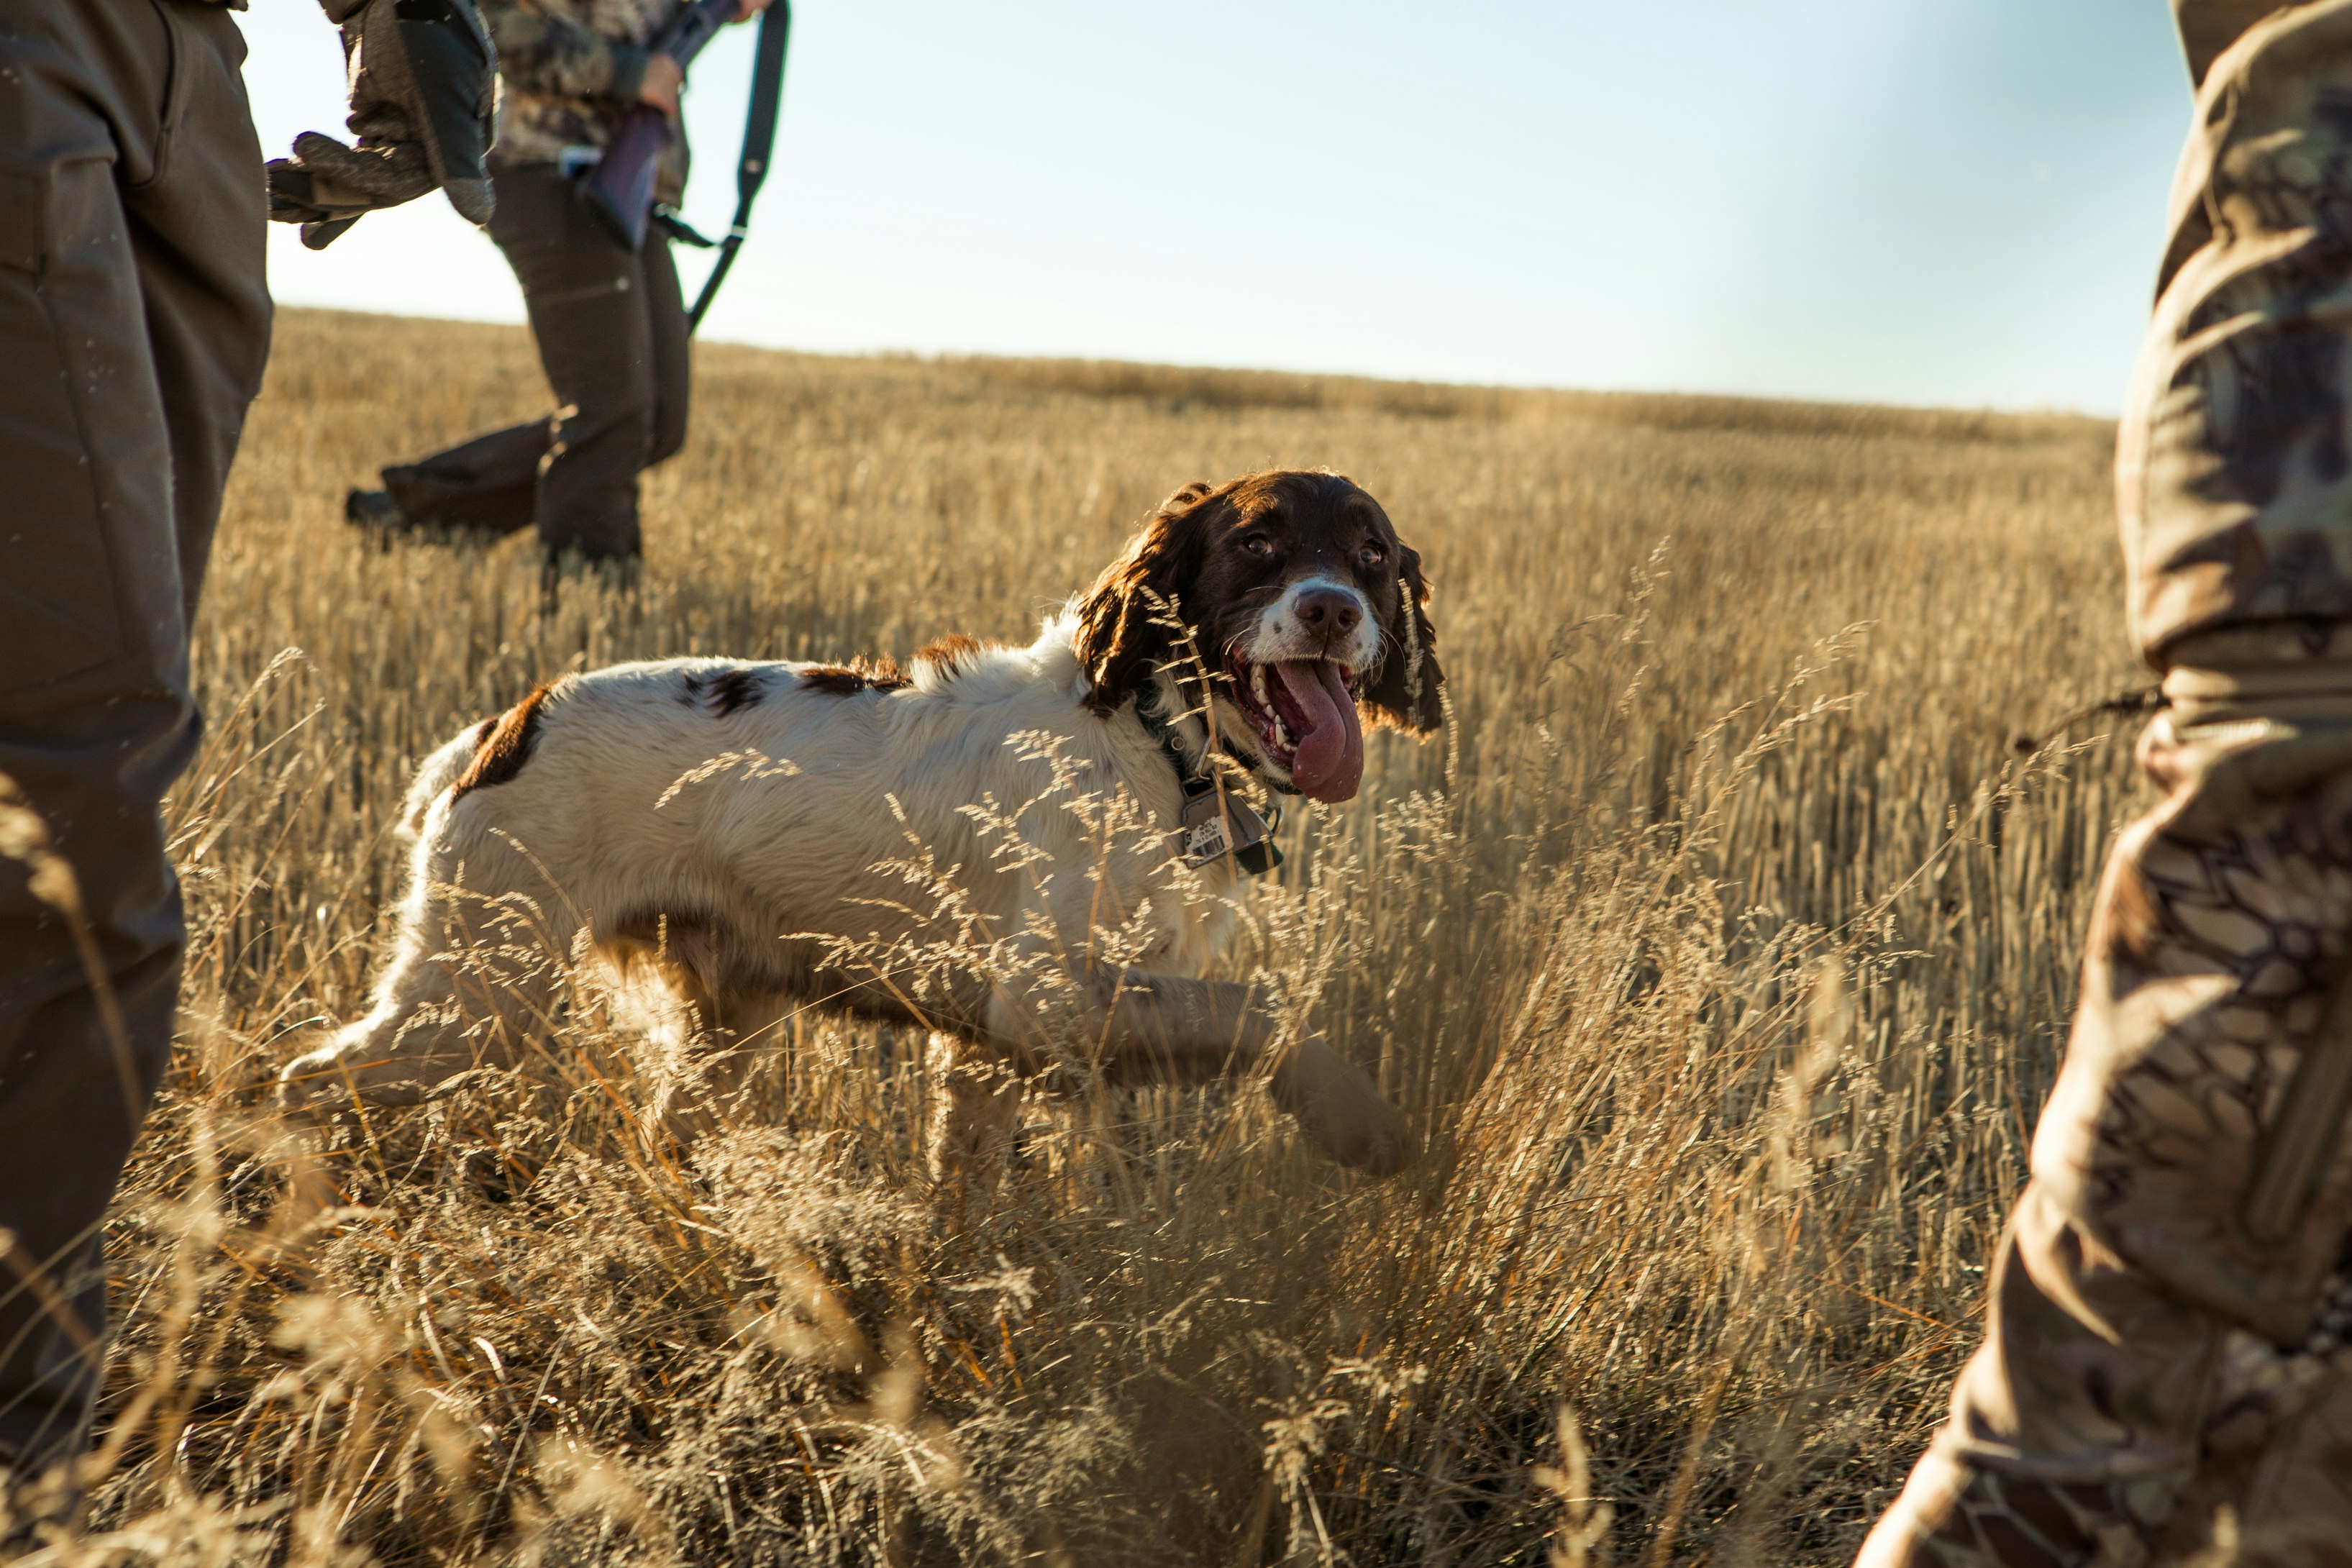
x=2165 y=1377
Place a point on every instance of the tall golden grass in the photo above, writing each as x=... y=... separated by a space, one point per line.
x=1721 y=955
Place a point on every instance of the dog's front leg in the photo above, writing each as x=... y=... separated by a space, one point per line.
x=975 y=1112
x=1166 y=1029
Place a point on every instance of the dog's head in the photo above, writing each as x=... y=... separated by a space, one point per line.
x=1305 y=606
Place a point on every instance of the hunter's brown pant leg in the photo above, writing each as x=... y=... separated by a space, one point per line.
x=612 y=333
x=2166 y=1371
x=134 y=326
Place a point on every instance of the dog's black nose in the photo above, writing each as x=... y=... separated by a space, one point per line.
x=1334 y=612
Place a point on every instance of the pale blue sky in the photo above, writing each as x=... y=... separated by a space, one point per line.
x=1921 y=201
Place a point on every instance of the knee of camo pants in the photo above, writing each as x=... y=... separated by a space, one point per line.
x=2189 y=1130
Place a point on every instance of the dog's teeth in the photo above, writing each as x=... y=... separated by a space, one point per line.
x=1258 y=684
x=1281 y=736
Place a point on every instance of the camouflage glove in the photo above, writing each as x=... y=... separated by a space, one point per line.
x=421 y=73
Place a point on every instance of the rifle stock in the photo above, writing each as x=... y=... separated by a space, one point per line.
x=619 y=190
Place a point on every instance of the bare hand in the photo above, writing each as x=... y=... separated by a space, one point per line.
x=747 y=9
x=664 y=77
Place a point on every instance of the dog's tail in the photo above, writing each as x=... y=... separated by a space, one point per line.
x=441 y=770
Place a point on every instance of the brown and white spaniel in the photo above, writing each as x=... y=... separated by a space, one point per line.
x=1032 y=852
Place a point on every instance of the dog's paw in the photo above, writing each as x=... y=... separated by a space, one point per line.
x=310 y=1083
x=333 y=1077
x=1341 y=1112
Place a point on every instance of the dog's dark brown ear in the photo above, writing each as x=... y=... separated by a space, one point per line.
x=1120 y=638
x=1403 y=691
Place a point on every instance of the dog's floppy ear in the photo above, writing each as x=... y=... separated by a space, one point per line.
x=1121 y=641
x=1403 y=691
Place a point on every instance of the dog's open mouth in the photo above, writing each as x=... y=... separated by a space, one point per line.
x=1303 y=713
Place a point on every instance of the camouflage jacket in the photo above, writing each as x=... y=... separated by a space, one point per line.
x=2232 y=468
x=569 y=72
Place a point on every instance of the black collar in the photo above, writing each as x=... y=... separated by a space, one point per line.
x=1191 y=775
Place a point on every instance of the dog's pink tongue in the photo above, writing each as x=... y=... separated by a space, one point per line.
x=1329 y=764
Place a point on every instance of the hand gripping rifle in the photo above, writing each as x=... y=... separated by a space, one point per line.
x=619 y=190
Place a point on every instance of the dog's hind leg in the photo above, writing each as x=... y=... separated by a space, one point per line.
x=471 y=981
x=975 y=1112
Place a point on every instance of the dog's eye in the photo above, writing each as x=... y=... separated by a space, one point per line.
x=1371 y=555
x=1258 y=544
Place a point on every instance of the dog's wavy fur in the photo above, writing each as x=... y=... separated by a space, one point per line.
x=717 y=835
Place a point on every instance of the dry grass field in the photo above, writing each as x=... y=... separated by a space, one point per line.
x=1721 y=957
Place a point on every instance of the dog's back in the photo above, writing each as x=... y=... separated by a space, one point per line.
x=741 y=821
